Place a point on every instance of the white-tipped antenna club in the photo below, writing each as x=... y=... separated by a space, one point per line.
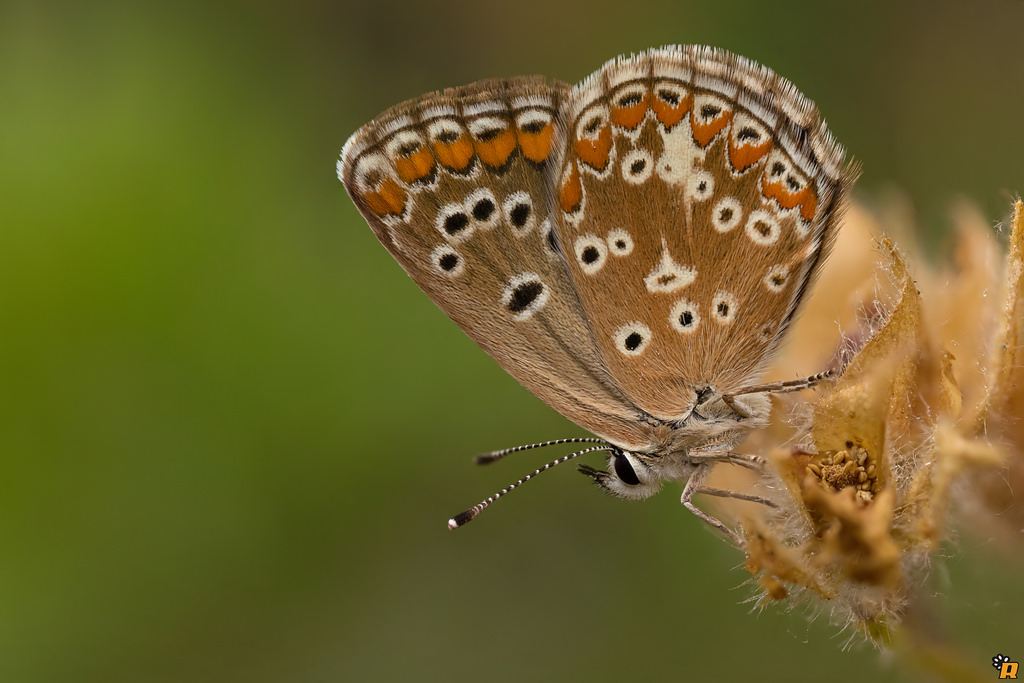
x=464 y=518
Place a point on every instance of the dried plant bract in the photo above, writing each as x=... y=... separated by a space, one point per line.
x=921 y=424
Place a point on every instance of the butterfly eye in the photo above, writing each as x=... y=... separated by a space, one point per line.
x=624 y=471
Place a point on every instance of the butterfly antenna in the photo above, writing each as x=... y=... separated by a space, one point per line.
x=495 y=456
x=463 y=518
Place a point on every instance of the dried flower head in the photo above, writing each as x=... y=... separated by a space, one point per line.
x=928 y=398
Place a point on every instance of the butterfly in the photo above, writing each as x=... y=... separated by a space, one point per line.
x=632 y=249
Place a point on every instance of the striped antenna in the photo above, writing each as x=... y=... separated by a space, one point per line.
x=495 y=456
x=463 y=518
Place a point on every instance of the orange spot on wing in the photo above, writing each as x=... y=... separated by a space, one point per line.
x=809 y=206
x=388 y=198
x=536 y=146
x=705 y=132
x=455 y=155
x=743 y=157
x=631 y=116
x=496 y=149
x=670 y=115
x=571 y=196
x=595 y=153
x=414 y=166
x=786 y=199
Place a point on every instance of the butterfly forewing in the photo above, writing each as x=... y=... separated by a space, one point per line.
x=696 y=198
x=457 y=186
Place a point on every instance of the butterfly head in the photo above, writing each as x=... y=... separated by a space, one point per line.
x=630 y=475
x=716 y=422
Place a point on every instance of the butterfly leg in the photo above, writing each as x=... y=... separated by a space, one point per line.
x=730 y=400
x=773 y=388
x=725 y=493
x=693 y=486
x=751 y=462
x=780 y=387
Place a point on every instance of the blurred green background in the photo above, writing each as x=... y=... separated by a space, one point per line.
x=231 y=429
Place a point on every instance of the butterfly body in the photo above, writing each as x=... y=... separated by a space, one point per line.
x=632 y=249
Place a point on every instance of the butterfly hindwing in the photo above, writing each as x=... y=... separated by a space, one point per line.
x=696 y=198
